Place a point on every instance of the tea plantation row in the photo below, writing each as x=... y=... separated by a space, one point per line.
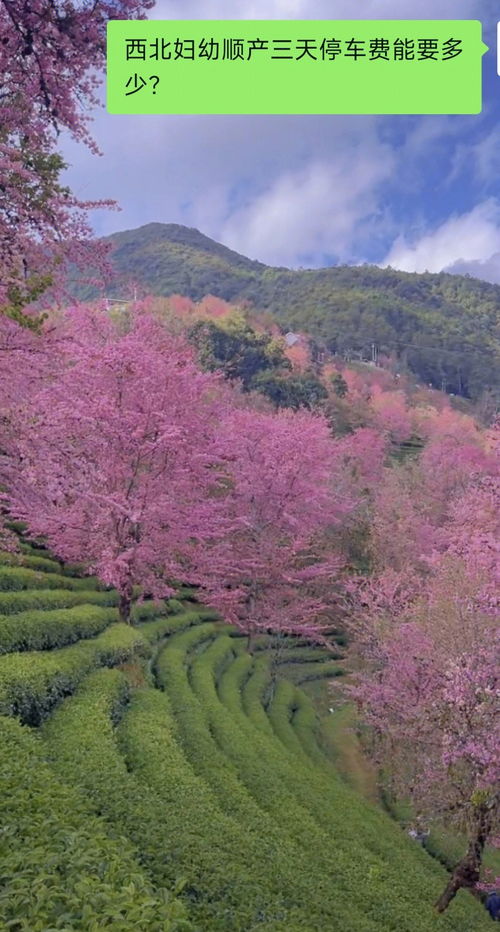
x=159 y=777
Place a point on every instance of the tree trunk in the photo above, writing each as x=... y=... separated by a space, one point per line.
x=251 y=614
x=250 y=640
x=125 y=607
x=466 y=872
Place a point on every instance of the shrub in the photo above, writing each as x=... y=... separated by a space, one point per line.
x=20 y=577
x=189 y=593
x=13 y=601
x=60 y=868
x=253 y=694
x=305 y=672
x=81 y=744
x=281 y=711
x=174 y=606
x=298 y=654
x=282 y=862
x=143 y=611
x=31 y=561
x=310 y=804
x=193 y=638
x=154 y=631
x=168 y=836
x=32 y=683
x=226 y=888
x=41 y=630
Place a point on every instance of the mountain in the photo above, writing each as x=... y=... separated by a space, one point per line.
x=444 y=328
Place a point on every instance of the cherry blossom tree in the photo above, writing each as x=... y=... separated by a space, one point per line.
x=115 y=460
x=391 y=414
x=270 y=571
x=433 y=708
x=427 y=626
x=51 y=56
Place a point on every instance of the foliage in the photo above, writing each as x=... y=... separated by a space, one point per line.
x=19 y=577
x=428 y=629
x=82 y=747
x=226 y=887
x=139 y=487
x=194 y=794
x=14 y=601
x=50 y=58
x=30 y=561
x=60 y=867
x=306 y=802
x=233 y=347
x=31 y=683
x=291 y=391
x=339 y=384
x=40 y=630
x=268 y=571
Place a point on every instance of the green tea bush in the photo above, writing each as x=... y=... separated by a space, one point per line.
x=25 y=600
x=18 y=526
x=31 y=683
x=154 y=631
x=20 y=577
x=267 y=850
x=31 y=561
x=49 y=564
x=253 y=691
x=363 y=849
x=175 y=606
x=34 y=548
x=281 y=712
x=227 y=887
x=60 y=867
x=144 y=611
x=245 y=748
x=194 y=637
x=189 y=593
x=304 y=722
x=81 y=744
x=293 y=653
x=299 y=672
x=39 y=630
x=233 y=677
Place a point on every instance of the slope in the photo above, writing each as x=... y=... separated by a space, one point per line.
x=445 y=328
x=164 y=757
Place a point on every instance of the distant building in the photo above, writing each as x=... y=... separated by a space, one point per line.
x=291 y=339
x=118 y=304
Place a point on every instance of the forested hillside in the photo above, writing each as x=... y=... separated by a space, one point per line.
x=445 y=328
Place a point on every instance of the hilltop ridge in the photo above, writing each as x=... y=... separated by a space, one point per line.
x=444 y=328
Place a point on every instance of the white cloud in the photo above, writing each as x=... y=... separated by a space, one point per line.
x=275 y=187
x=312 y=211
x=284 y=189
x=479 y=160
x=469 y=238
x=487 y=269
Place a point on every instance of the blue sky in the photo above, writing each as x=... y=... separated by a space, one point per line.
x=414 y=192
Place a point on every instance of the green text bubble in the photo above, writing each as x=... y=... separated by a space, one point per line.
x=295 y=66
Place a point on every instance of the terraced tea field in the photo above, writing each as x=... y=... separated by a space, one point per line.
x=159 y=777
